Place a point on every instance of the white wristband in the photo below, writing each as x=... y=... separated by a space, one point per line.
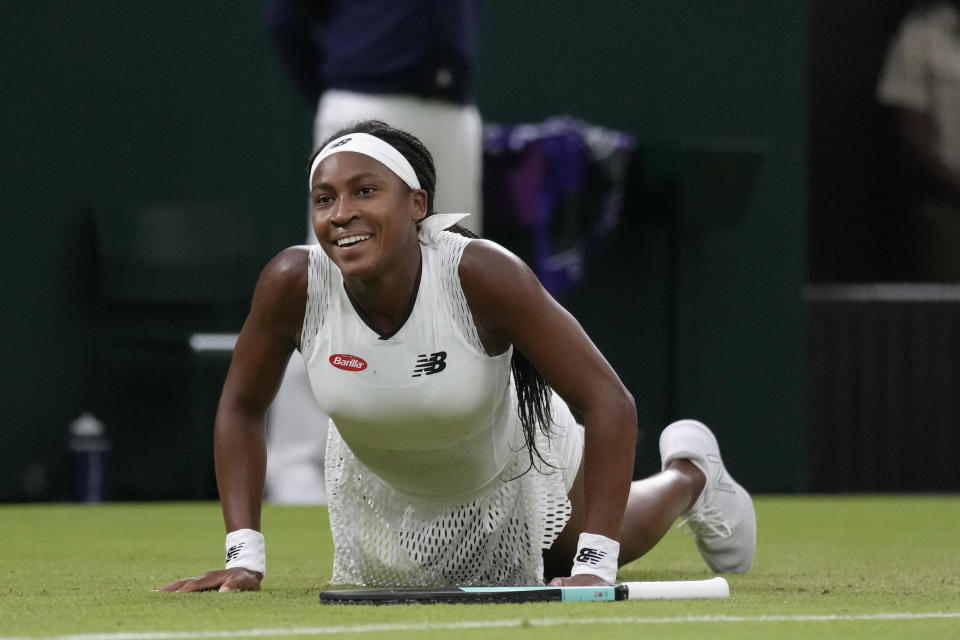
x=245 y=548
x=596 y=555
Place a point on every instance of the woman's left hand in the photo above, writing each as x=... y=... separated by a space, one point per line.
x=582 y=580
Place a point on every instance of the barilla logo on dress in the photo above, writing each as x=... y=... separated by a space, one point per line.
x=347 y=362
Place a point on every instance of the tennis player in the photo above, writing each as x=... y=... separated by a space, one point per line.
x=447 y=371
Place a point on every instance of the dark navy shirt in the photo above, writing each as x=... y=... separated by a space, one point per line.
x=426 y=48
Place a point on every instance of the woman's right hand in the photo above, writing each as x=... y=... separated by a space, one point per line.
x=236 y=579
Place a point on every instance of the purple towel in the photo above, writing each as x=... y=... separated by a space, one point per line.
x=553 y=191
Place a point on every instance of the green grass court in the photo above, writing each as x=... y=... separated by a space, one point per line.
x=851 y=567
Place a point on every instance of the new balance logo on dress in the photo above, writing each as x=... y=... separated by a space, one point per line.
x=235 y=550
x=430 y=364
x=591 y=556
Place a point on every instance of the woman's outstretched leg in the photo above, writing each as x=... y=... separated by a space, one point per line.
x=654 y=505
x=721 y=518
x=693 y=484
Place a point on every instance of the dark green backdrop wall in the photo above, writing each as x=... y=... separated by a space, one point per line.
x=158 y=102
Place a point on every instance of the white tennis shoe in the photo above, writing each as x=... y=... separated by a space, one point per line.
x=722 y=520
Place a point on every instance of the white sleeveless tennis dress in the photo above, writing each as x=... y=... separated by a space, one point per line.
x=425 y=462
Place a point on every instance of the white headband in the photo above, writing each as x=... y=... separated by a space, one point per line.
x=368 y=145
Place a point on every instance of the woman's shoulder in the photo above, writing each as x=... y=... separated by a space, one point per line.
x=284 y=279
x=486 y=262
x=496 y=283
x=279 y=298
x=288 y=266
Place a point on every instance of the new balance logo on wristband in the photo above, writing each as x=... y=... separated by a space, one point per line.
x=235 y=550
x=590 y=556
x=596 y=555
x=429 y=365
x=245 y=549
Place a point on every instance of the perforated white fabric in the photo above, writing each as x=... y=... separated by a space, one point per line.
x=451 y=250
x=318 y=288
x=383 y=538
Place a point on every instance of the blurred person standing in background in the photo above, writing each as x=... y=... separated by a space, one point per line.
x=920 y=81
x=407 y=62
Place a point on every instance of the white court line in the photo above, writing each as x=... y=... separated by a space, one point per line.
x=473 y=624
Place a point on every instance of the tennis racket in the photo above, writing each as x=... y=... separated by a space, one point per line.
x=714 y=588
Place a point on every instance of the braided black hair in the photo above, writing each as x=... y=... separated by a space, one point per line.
x=533 y=392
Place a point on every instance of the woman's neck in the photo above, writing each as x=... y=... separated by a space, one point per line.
x=385 y=303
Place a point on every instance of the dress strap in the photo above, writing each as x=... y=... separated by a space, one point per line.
x=429 y=227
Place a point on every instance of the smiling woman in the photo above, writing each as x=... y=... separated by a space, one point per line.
x=447 y=371
x=365 y=216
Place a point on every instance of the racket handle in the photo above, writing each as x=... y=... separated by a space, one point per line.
x=715 y=588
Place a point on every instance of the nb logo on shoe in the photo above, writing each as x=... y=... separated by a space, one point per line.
x=235 y=550
x=341 y=143
x=427 y=365
x=722 y=484
x=590 y=556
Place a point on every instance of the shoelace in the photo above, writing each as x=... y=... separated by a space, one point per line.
x=706 y=523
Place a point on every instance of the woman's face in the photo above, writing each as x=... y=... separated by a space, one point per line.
x=364 y=215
